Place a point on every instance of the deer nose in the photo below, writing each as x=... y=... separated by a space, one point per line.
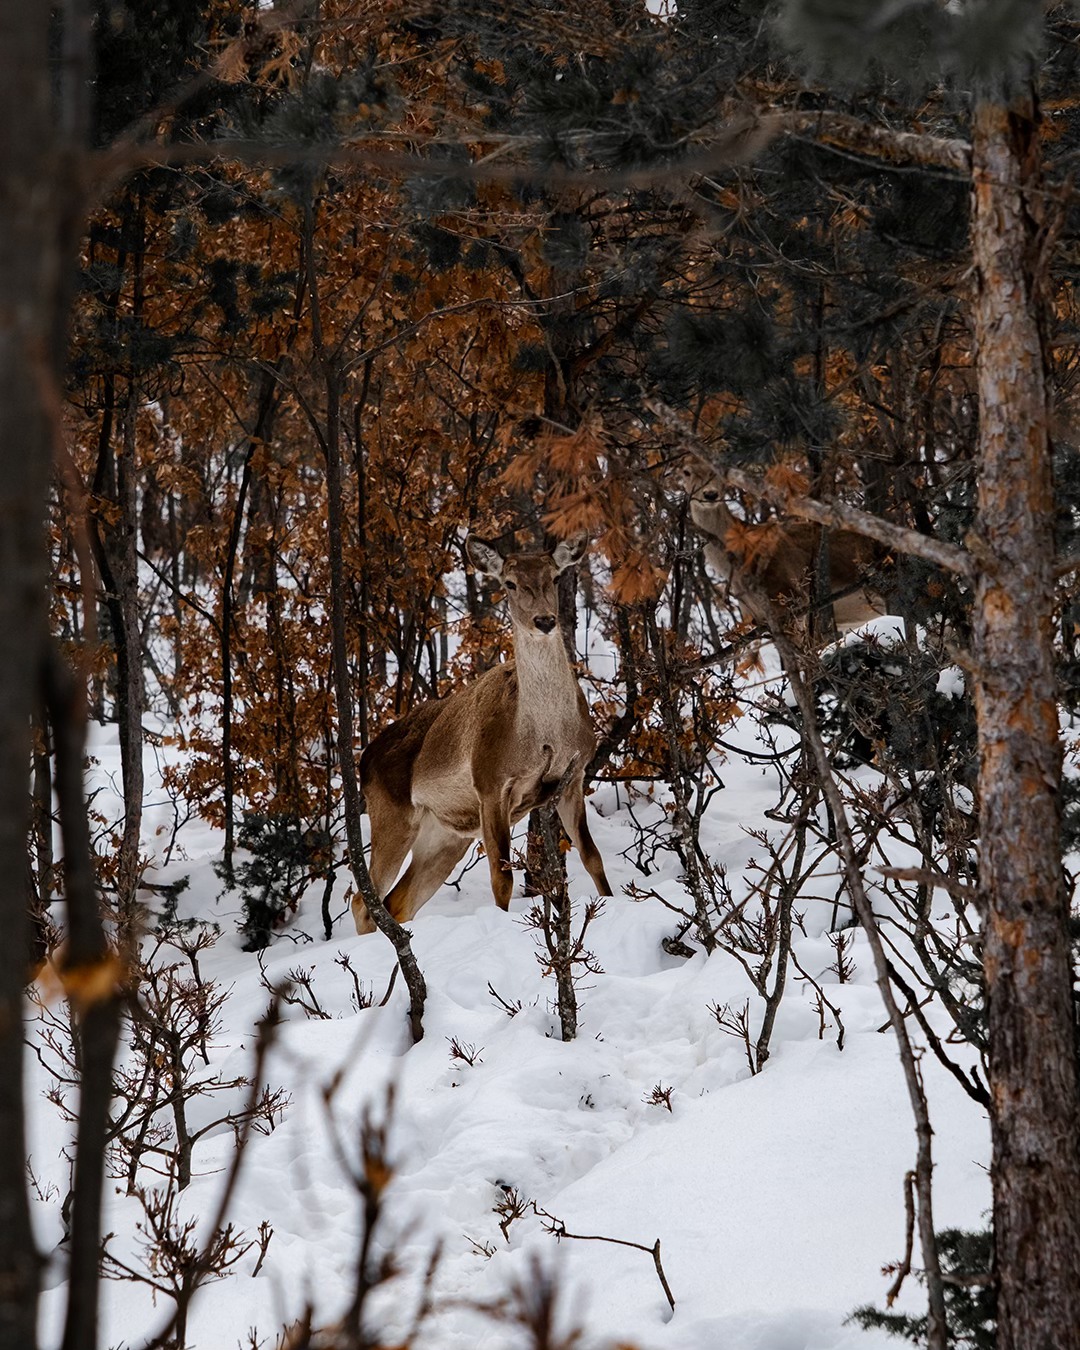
x=711 y=495
x=545 y=622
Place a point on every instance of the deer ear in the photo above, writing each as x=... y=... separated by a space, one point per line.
x=484 y=557
x=569 y=552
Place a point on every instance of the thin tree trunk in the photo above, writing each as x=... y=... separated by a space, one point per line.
x=789 y=890
x=130 y=696
x=115 y=550
x=92 y=977
x=397 y=935
x=1033 y=1071
x=364 y=600
x=266 y=406
x=350 y=787
x=42 y=826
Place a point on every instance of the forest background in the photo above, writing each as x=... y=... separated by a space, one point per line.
x=297 y=297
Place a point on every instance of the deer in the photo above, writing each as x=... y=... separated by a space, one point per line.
x=471 y=765
x=778 y=559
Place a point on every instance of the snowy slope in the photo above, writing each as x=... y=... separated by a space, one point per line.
x=776 y=1198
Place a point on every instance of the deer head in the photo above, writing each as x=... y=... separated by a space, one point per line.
x=528 y=580
x=708 y=503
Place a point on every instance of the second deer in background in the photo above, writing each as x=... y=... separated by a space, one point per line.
x=780 y=558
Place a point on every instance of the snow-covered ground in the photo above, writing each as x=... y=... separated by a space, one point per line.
x=776 y=1198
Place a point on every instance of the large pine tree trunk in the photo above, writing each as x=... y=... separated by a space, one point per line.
x=1033 y=1070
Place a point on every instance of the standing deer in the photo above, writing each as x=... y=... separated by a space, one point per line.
x=471 y=765
x=780 y=558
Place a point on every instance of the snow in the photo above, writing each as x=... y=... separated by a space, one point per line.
x=777 y=1198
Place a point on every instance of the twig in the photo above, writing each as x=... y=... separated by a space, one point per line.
x=970 y=1082
x=558 y=1230
x=389 y=988
x=203 y=1264
x=904 y=1269
x=925 y=877
x=510 y=1008
x=840 y=1033
x=797 y=683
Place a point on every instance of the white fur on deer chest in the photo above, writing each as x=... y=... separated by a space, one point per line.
x=546 y=747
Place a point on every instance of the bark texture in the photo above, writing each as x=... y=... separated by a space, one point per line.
x=28 y=279
x=1035 y=1094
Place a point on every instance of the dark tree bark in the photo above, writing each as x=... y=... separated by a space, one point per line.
x=91 y=976
x=29 y=279
x=115 y=546
x=41 y=829
x=1033 y=1072
x=350 y=787
x=130 y=694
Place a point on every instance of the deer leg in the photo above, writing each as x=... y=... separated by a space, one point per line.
x=393 y=831
x=571 y=810
x=495 y=831
x=435 y=852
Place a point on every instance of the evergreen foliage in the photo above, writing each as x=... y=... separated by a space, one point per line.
x=990 y=43
x=284 y=854
x=970 y=1296
x=143 y=50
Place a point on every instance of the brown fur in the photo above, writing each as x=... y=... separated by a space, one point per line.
x=473 y=764
x=781 y=557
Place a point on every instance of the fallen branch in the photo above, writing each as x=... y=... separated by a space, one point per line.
x=558 y=1230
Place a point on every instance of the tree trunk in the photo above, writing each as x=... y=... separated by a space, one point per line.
x=115 y=547
x=266 y=407
x=29 y=269
x=130 y=698
x=42 y=821
x=350 y=787
x=92 y=975
x=1035 y=1115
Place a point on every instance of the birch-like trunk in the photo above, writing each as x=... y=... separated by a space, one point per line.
x=1035 y=1114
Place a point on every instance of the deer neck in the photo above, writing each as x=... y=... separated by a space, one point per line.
x=547 y=685
x=713 y=518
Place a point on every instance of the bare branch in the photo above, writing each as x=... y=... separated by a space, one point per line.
x=736 y=144
x=903 y=1270
x=558 y=1230
x=923 y=877
x=853 y=134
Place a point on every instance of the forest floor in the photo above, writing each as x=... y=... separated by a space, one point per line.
x=777 y=1197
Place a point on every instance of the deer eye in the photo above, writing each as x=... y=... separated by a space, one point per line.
x=510 y=585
